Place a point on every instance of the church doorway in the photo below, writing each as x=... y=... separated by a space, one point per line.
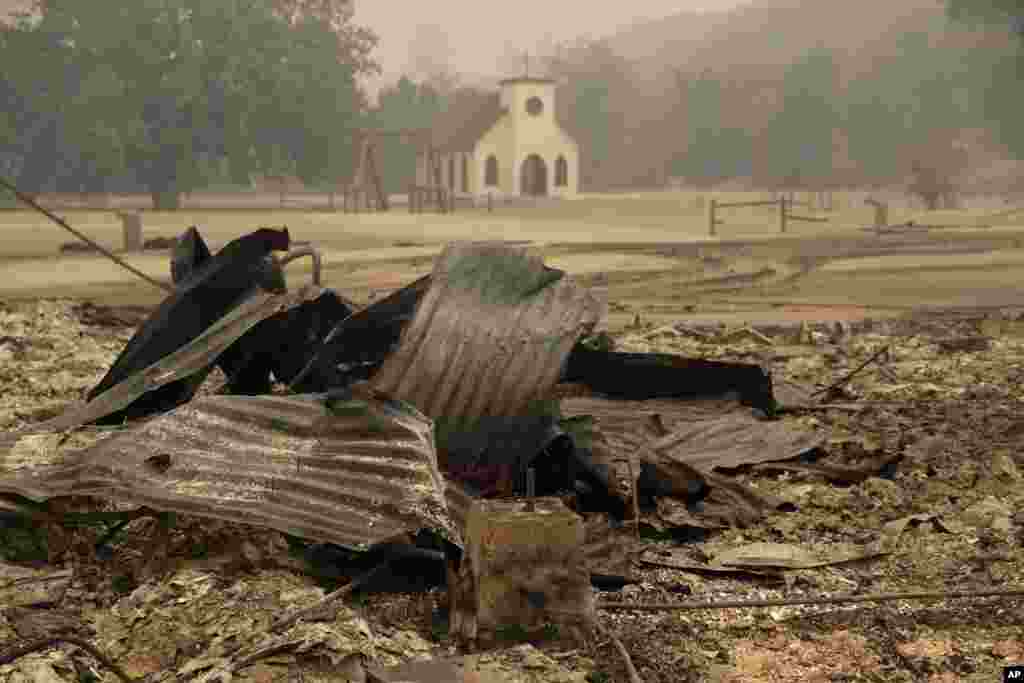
x=533 y=179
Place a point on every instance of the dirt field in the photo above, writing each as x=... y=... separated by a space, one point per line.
x=650 y=250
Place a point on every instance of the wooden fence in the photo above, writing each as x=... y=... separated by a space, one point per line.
x=784 y=205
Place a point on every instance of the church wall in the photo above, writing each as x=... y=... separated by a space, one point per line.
x=499 y=141
x=511 y=140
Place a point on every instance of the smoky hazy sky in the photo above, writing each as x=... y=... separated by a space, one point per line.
x=480 y=31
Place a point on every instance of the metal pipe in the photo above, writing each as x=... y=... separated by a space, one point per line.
x=299 y=252
x=106 y=252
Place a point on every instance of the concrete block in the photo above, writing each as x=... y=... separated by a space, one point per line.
x=522 y=568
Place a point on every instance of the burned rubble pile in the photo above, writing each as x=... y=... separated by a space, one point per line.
x=403 y=443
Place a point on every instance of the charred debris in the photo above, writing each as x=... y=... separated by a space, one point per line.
x=367 y=434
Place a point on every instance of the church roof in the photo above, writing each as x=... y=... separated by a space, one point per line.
x=470 y=114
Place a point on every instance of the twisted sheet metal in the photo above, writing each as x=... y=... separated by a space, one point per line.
x=701 y=434
x=356 y=473
x=459 y=503
x=195 y=357
x=490 y=336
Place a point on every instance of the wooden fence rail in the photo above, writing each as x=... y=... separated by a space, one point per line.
x=784 y=205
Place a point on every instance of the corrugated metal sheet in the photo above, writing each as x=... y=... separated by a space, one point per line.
x=194 y=357
x=459 y=502
x=490 y=335
x=353 y=474
x=703 y=434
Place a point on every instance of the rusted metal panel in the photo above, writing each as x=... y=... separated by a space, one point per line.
x=195 y=357
x=349 y=472
x=702 y=434
x=490 y=335
x=459 y=503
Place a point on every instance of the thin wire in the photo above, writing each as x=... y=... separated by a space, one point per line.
x=106 y=252
x=841 y=599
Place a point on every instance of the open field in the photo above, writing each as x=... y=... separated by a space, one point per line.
x=651 y=251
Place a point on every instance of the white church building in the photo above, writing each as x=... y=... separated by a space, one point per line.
x=507 y=143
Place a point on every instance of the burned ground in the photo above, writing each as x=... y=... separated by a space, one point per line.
x=934 y=432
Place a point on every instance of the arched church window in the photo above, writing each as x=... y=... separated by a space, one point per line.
x=491 y=171
x=561 y=172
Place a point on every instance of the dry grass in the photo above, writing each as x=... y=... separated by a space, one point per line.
x=634 y=245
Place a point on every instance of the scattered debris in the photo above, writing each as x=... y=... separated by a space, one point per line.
x=21 y=587
x=474 y=393
x=973 y=344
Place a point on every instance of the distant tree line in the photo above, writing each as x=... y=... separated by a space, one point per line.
x=901 y=117
x=908 y=110
x=172 y=96
x=404 y=105
x=999 y=69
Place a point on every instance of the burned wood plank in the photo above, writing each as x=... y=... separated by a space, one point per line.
x=642 y=376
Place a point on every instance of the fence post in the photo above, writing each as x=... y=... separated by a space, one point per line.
x=711 y=217
x=490 y=202
x=131 y=228
x=782 y=215
x=881 y=212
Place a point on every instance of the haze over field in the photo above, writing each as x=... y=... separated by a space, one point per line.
x=479 y=34
x=809 y=94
